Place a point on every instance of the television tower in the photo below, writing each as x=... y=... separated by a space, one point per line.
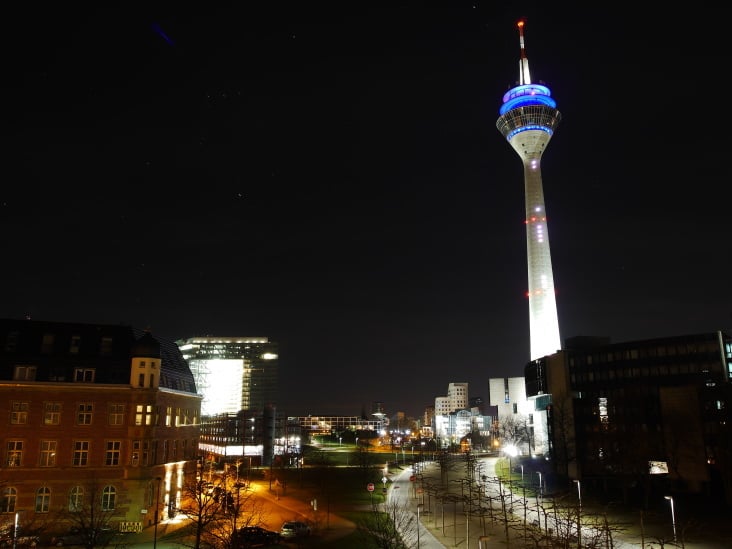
x=528 y=118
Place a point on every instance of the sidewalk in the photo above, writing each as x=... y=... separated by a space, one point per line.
x=445 y=524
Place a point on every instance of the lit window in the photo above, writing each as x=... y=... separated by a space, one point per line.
x=14 y=453
x=48 y=453
x=19 y=413
x=51 y=413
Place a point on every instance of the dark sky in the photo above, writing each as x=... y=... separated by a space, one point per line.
x=332 y=178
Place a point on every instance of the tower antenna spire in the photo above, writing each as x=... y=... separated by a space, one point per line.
x=524 y=76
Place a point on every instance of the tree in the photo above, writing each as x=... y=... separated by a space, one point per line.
x=90 y=511
x=512 y=430
x=388 y=526
x=215 y=511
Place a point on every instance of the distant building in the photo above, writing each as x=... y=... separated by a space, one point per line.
x=233 y=373
x=457 y=417
x=615 y=411
x=260 y=438
x=456 y=399
x=91 y=408
x=507 y=396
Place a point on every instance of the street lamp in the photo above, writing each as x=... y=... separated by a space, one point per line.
x=157 y=510
x=510 y=451
x=579 y=512
x=419 y=508
x=15 y=530
x=673 y=515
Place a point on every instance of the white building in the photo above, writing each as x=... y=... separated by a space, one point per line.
x=508 y=395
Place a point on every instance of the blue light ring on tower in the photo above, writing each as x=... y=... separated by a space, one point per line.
x=527 y=100
x=517 y=131
x=526 y=89
x=528 y=94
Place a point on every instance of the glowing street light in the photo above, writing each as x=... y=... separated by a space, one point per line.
x=673 y=515
x=511 y=451
x=579 y=512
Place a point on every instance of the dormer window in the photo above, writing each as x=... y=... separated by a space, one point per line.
x=24 y=373
x=84 y=375
x=75 y=343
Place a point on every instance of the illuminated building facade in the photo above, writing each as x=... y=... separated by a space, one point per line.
x=528 y=118
x=233 y=373
x=93 y=409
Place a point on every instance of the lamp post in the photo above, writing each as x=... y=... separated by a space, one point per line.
x=419 y=508
x=579 y=513
x=157 y=510
x=673 y=515
x=540 y=489
x=15 y=530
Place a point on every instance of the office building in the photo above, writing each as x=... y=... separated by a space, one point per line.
x=650 y=415
x=233 y=373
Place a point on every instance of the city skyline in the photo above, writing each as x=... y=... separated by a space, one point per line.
x=333 y=180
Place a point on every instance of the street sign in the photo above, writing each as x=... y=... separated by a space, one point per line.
x=370 y=486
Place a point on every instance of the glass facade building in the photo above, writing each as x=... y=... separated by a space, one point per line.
x=233 y=373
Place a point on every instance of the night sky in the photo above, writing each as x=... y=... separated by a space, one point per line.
x=332 y=178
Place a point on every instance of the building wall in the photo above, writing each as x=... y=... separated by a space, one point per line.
x=458 y=395
x=131 y=435
x=508 y=394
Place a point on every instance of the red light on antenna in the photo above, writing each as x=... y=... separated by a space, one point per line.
x=520 y=23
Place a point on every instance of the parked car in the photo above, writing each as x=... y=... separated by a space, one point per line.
x=294 y=529
x=22 y=541
x=254 y=536
x=78 y=536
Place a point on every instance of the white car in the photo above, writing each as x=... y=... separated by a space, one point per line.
x=294 y=529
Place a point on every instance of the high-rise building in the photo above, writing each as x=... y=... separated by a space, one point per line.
x=232 y=373
x=528 y=118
